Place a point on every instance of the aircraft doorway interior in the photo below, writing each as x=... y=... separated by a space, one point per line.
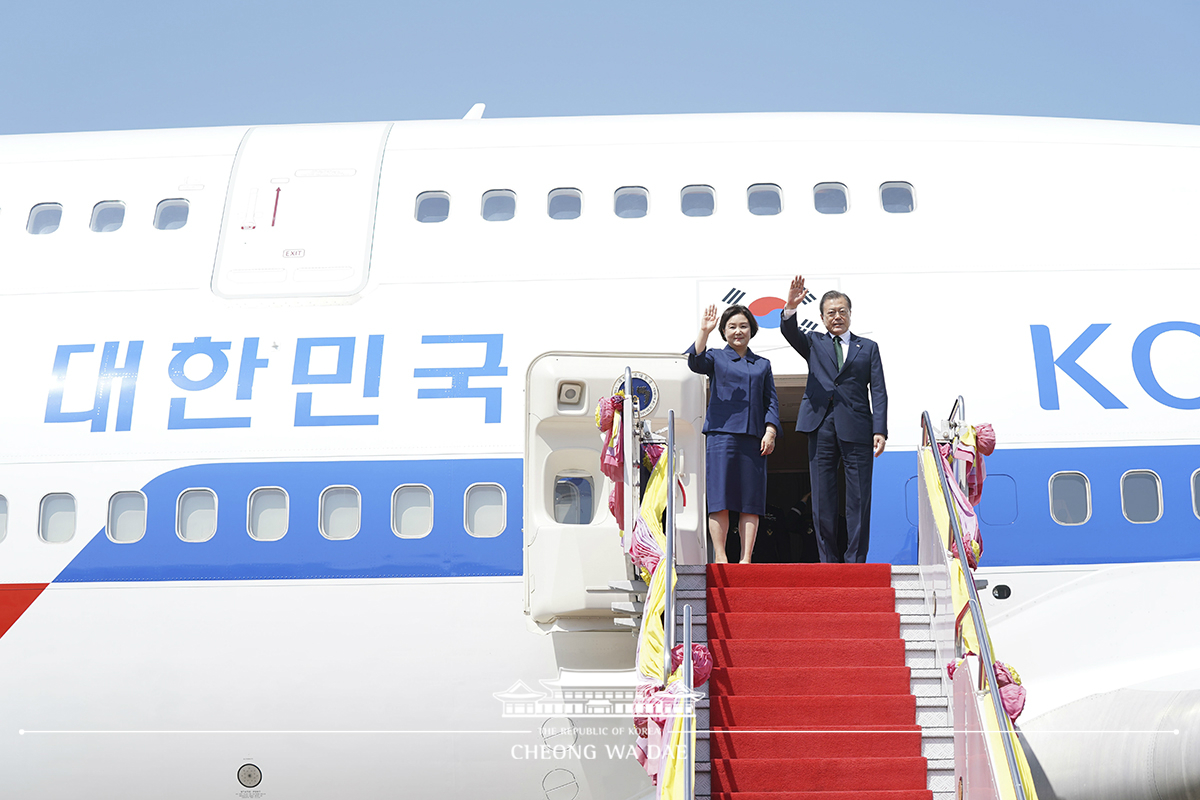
x=785 y=533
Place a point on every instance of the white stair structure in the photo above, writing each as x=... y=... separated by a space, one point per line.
x=928 y=680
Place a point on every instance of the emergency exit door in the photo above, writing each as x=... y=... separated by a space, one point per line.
x=300 y=211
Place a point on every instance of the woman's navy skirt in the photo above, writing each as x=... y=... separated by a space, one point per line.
x=736 y=473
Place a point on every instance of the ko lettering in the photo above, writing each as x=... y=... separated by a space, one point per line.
x=1047 y=366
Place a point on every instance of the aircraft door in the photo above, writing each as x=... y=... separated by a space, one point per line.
x=572 y=542
x=300 y=211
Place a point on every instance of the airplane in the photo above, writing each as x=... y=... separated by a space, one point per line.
x=300 y=482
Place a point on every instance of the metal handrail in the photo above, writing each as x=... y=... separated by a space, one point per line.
x=629 y=410
x=960 y=470
x=985 y=646
x=689 y=706
x=669 y=532
x=628 y=421
x=960 y=406
x=669 y=621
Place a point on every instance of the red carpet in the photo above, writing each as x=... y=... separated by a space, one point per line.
x=809 y=695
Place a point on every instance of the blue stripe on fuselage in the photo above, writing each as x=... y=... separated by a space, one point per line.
x=1017 y=488
x=375 y=552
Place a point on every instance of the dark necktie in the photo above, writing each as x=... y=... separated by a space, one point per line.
x=837 y=349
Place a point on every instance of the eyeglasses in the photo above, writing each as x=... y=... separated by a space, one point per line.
x=837 y=312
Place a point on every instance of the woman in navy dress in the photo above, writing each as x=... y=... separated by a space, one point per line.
x=740 y=427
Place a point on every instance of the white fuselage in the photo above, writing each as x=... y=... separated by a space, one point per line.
x=304 y=332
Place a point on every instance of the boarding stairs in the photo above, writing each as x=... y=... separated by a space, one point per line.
x=855 y=703
x=829 y=681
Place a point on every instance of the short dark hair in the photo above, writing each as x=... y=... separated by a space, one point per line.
x=834 y=294
x=733 y=311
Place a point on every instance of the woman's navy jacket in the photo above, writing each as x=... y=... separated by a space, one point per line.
x=742 y=391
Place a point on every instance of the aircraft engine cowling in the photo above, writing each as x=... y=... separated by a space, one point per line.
x=1129 y=744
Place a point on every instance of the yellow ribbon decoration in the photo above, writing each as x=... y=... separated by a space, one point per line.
x=674 y=775
x=652 y=639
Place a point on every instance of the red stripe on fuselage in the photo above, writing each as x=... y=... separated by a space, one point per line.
x=14 y=599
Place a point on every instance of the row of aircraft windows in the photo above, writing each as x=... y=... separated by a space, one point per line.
x=107 y=216
x=339 y=515
x=500 y=205
x=484 y=509
x=631 y=202
x=1141 y=496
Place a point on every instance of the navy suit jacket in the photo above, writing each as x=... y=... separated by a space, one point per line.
x=742 y=397
x=856 y=396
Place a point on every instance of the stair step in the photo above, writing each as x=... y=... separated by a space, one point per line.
x=933 y=712
x=926 y=682
x=941 y=778
x=906 y=576
x=817 y=774
x=737 y=681
x=920 y=653
x=881 y=711
x=937 y=743
x=910 y=728
x=916 y=626
x=796 y=575
x=804 y=599
x=830 y=744
x=807 y=652
x=698 y=606
x=820 y=625
x=878 y=794
x=910 y=601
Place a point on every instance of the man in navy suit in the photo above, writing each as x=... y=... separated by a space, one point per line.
x=844 y=415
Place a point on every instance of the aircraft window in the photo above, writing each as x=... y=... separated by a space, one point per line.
x=267 y=514
x=1070 y=498
x=56 y=518
x=341 y=512
x=1141 y=496
x=484 y=510
x=630 y=202
x=433 y=206
x=564 y=204
x=697 y=201
x=108 y=216
x=1195 y=498
x=764 y=199
x=412 y=511
x=831 y=198
x=3 y=517
x=573 y=498
x=499 y=205
x=897 y=197
x=44 y=218
x=171 y=215
x=196 y=515
x=126 y=517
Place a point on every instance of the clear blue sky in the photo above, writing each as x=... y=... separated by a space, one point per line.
x=116 y=64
